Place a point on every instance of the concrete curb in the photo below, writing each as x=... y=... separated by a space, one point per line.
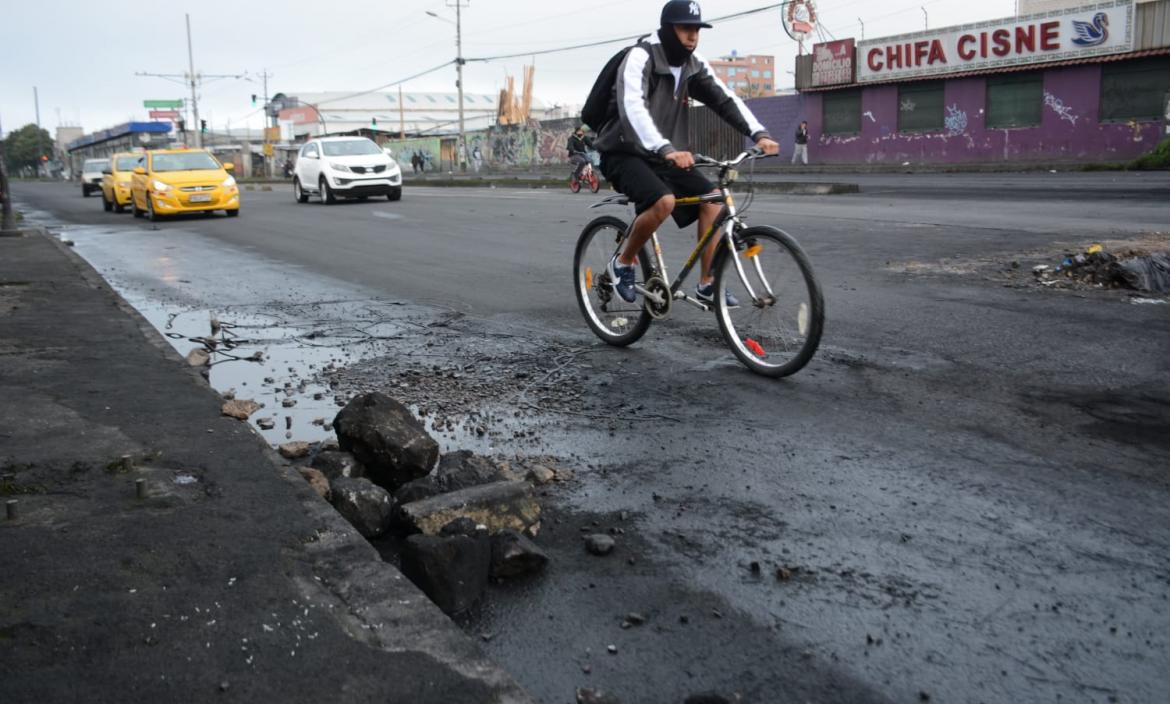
x=334 y=567
x=778 y=187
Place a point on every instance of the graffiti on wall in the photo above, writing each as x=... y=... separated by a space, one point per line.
x=955 y=121
x=1057 y=105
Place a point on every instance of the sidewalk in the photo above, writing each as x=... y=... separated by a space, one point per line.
x=230 y=581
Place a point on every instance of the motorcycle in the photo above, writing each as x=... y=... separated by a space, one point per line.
x=588 y=178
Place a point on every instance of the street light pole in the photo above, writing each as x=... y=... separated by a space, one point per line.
x=191 y=76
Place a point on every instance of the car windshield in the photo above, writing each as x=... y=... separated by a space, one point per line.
x=183 y=161
x=127 y=163
x=95 y=164
x=350 y=147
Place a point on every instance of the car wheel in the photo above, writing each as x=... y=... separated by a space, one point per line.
x=84 y=192
x=394 y=194
x=118 y=207
x=106 y=204
x=150 y=214
x=134 y=207
x=327 y=196
x=298 y=192
x=233 y=213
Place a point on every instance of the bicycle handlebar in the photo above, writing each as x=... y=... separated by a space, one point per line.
x=753 y=153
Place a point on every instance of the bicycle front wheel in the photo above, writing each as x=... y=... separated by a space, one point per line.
x=613 y=320
x=777 y=326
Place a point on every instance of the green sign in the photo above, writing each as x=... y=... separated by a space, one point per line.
x=174 y=104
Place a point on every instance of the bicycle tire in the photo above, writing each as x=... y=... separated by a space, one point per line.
x=580 y=289
x=816 y=316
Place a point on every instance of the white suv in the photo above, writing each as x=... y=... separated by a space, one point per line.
x=345 y=167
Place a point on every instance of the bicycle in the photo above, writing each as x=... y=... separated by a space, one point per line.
x=775 y=330
x=588 y=177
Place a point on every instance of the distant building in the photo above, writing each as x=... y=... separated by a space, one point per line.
x=752 y=76
x=1031 y=7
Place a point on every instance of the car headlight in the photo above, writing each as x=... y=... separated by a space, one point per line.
x=394 y=168
x=228 y=182
x=339 y=167
x=159 y=186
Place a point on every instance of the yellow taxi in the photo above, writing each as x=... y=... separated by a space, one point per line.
x=116 y=181
x=174 y=181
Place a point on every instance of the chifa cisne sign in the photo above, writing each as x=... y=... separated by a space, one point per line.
x=1092 y=30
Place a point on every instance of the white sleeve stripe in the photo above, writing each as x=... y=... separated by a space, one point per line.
x=753 y=124
x=634 y=102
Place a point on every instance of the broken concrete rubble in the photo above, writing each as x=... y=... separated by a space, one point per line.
x=295 y=450
x=365 y=505
x=514 y=555
x=240 y=409
x=335 y=463
x=451 y=569
x=499 y=506
x=316 y=480
x=386 y=438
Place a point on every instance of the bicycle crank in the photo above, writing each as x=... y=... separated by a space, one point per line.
x=656 y=297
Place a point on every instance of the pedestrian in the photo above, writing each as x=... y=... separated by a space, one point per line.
x=801 y=149
x=414 y=161
x=476 y=158
x=644 y=139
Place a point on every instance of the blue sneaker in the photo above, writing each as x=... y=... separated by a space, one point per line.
x=623 y=280
x=706 y=294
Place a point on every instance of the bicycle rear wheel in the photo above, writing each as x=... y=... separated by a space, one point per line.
x=613 y=320
x=777 y=332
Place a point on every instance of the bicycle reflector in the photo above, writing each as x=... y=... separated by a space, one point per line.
x=588 y=277
x=754 y=250
x=754 y=347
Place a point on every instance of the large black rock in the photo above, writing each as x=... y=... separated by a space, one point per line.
x=386 y=438
x=364 y=504
x=334 y=464
x=452 y=570
x=457 y=470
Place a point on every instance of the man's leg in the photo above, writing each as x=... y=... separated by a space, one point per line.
x=645 y=225
x=804 y=154
x=707 y=214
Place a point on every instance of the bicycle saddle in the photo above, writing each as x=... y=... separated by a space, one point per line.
x=618 y=199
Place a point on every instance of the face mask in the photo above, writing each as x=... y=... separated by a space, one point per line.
x=676 y=53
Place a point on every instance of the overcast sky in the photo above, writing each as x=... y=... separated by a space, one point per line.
x=82 y=55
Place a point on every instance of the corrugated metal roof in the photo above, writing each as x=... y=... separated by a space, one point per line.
x=1003 y=69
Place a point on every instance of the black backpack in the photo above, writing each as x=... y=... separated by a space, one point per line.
x=601 y=105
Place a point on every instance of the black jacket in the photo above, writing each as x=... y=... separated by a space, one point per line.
x=801 y=136
x=653 y=116
x=579 y=145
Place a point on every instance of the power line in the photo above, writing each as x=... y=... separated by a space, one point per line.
x=389 y=85
x=627 y=38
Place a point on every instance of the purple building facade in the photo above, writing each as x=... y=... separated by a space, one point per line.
x=1080 y=111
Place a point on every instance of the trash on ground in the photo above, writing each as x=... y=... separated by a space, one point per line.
x=1140 y=271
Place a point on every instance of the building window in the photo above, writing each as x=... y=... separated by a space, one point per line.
x=755 y=73
x=767 y=74
x=768 y=86
x=731 y=71
x=1015 y=100
x=841 y=112
x=1134 y=90
x=920 y=107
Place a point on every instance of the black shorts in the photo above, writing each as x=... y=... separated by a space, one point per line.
x=645 y=183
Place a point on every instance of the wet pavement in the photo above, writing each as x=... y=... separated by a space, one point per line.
x=962 y=498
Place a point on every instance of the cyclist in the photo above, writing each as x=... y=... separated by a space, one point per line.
x=644 y=150
x=579 y=145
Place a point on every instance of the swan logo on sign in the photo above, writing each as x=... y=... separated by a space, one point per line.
x=1093 y=33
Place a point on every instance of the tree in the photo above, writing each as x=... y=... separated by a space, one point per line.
x=25 y=146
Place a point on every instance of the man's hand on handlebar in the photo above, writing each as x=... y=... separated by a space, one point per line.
x=682 y=160
x=770 y=147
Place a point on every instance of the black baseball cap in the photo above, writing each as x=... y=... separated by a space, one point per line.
x=683 y=12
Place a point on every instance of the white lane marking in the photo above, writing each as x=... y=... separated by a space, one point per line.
x=387 y=216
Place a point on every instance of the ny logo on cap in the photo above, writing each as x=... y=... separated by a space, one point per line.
x=694 y=9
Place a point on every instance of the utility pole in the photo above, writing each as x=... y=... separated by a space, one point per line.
x=192 y=80
x=462 y=146
x=862 y=28
x=40 y=144
x=7 y=223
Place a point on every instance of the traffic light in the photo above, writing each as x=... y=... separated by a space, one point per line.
x=203 y=126
x=253 y=100
x=182 y=125
x=374 y=122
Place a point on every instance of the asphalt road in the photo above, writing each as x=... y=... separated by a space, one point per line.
x=966 y=489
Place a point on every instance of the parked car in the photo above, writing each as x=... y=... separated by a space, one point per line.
x=173 y=181
x=116 y=180
x=91 y=175
x=345 y=167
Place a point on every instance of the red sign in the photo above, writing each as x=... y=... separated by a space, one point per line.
x=833 y=63
x=164 y=114
x=1104 y=28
